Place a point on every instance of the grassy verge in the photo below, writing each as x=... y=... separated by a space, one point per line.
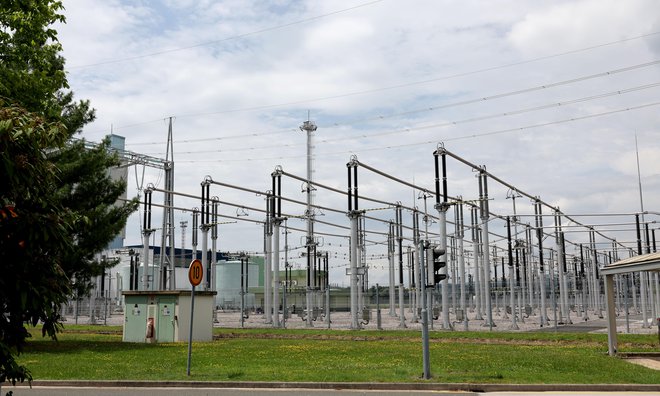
x=344 y=356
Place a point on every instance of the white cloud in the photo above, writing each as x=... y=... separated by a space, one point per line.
x=570 y=25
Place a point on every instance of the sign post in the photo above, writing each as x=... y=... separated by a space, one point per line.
x=195 y=274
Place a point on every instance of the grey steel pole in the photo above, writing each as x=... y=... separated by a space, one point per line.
x=190 y=331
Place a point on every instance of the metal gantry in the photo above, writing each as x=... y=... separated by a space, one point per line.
x=565 y=272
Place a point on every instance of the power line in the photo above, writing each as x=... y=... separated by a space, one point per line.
x=238 y=36
x=469 y=136
x=440 y=125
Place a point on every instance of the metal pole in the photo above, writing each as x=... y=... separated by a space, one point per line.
x=539 y=232
x=426 y=361
x=390 y=255
x=190 y=333
x=146 y=233
x=460 y=233
x=327 y=290
x=477 y=268
x=378 y=317
x=354 y=216
x=416 y=275
x=309 y=127
x=514 y=325
x=214 y=242
x=276 y=272
x=399 y=237
x=243 y=292
x=484 y=232
x=442 y=221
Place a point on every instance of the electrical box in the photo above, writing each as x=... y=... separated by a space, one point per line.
x=164 y=316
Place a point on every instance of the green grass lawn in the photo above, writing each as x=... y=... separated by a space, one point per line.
x=89 y=353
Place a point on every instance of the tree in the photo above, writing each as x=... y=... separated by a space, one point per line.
x=34 y=227
x=58 y=205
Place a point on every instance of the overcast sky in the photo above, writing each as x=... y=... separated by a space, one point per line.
x=548 y=95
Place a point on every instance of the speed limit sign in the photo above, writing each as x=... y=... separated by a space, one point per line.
x=195 y=272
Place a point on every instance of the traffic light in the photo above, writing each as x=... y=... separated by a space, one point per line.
x=434 y=264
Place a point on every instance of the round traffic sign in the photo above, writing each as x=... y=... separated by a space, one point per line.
x=195 y=272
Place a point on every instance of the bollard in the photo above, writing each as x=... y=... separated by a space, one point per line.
x=658 y=322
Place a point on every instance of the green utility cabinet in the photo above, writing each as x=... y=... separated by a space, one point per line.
x=164 y=316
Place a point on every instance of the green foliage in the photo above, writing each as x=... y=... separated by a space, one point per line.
x=34 y=227
x=57 y=201
x=32 y=70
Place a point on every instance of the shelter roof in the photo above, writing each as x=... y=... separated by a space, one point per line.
x=644 y=262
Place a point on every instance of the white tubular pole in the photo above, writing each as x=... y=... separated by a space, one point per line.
x=561 y=261
x=485 y=215
x=530 y=267
x=486 y=267
x=390 y=252
x=399 y=237
x=460 y=233
x=461 y=270
x=214 y=246
x=416 y=274
x=355 y=324
x=418 y=282
x=267 y=275
x=442 y=222
x=477 y=267
x=611 y=316
x=145 y=259
x=276 y=272
x=205 y=261
x=512 y=276
x=564 y=280
x=642 y=298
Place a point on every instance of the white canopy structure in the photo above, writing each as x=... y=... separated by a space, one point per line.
x=644 y=262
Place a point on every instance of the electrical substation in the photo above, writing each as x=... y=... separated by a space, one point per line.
x=450 y=262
